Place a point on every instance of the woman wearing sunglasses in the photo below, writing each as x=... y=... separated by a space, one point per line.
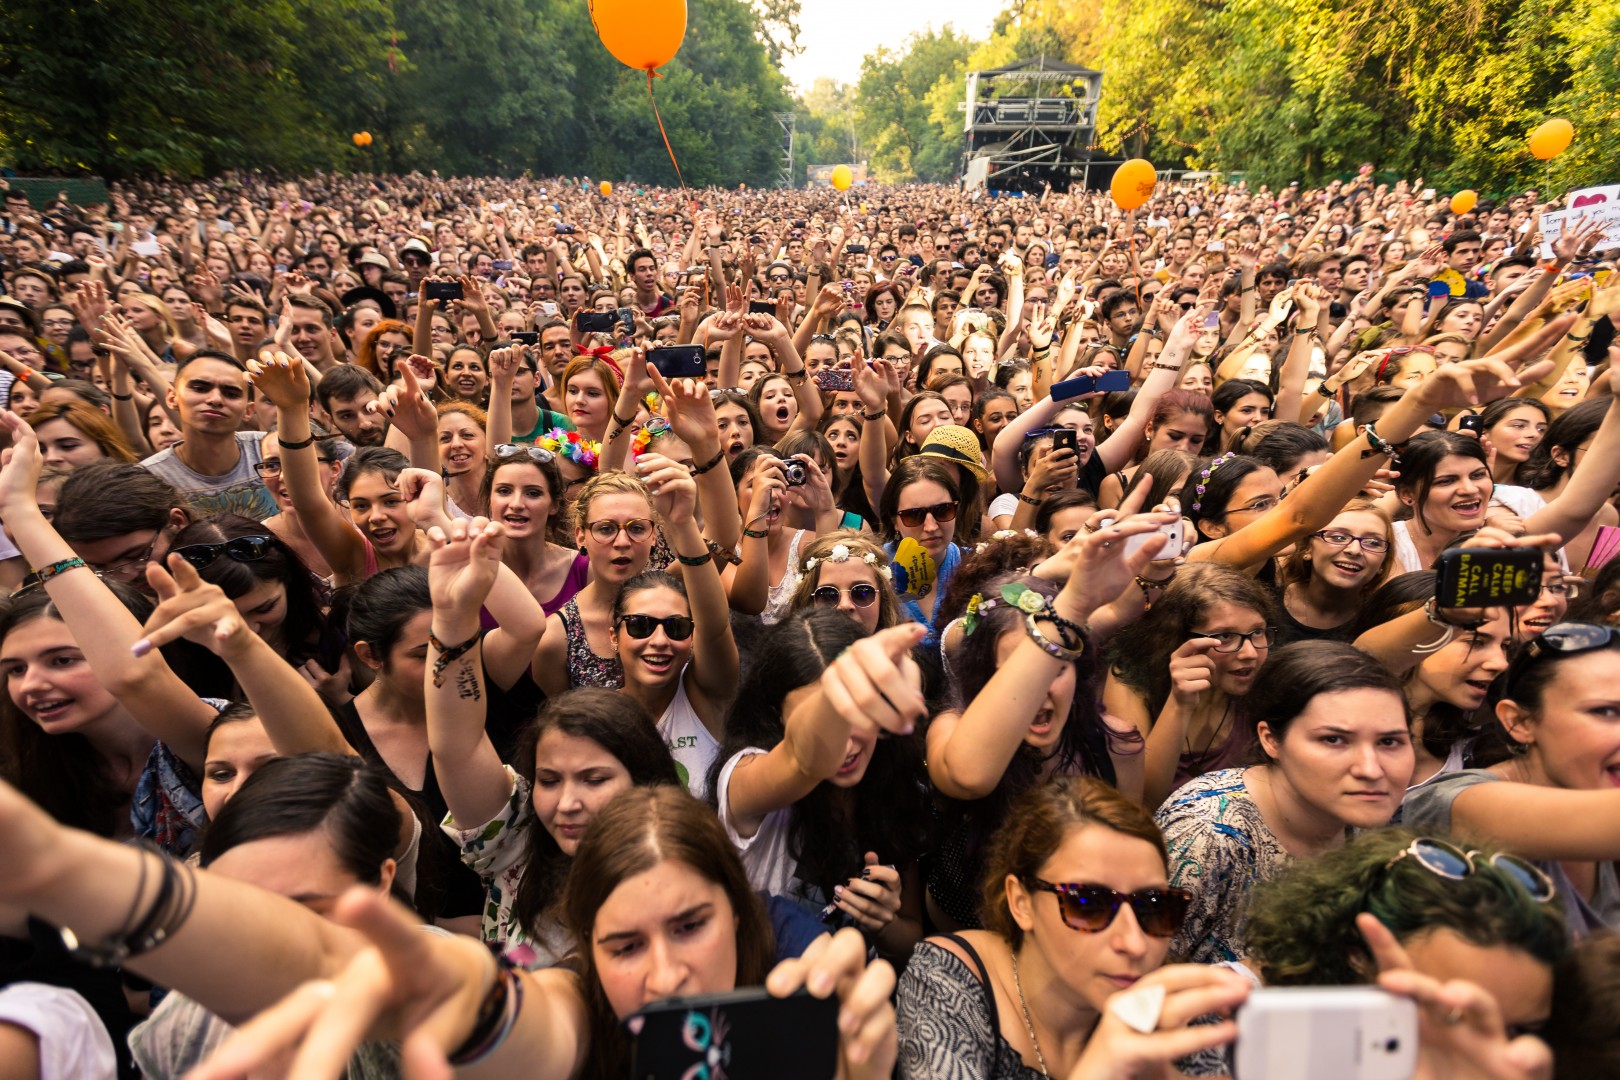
x=523 y=488
x=920 y=505
x=1334 y=755
x=614 y=526
x=847 y=571
x=672 y=636
x=1078 y=909
x=1553 y=799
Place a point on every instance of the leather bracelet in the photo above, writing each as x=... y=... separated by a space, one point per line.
x=1326 y=391
x=623 y=422
x=699 y=470
x=299 y=445
x=1048 y=646
x=796 y=377
x=497 y=1016
x=872 y=418
x=723 y=555
x=121 y=397
x=1028 y=500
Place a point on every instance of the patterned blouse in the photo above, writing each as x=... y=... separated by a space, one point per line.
x=585 y=668
x=949 y=1025
x=495 y=852
x=1220 y=847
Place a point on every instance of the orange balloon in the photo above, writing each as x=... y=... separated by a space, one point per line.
x=842 y=177
x=1551 y=139
x=605 y=188
x=1464 y=201
x=643 y=34
x=359 y=138
x=1133 y=183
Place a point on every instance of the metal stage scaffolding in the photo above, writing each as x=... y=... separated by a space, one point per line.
x=1029 y=124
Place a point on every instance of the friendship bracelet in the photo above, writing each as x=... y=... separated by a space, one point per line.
x=1028 y=500
x=449 y=654
x=60 y=566
x=872 y=418
x=699 y=470
x=497 y=1016
x=757 y=535
x=688 y=560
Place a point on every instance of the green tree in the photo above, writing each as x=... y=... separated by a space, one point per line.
x=892 y=111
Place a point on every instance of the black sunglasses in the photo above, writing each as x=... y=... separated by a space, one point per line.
x=1562 y=639
x=240 y=549
x=913 y=518
x=1090 y=908
x=862 y=595
x=641 y=627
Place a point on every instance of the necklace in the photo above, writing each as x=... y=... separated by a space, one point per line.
x=1029 y=1025
x=1201 y=756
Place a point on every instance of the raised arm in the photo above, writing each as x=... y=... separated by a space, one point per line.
x=1163 y=374
x=461 y=573
x=691 y=417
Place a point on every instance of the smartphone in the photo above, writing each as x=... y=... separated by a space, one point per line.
x=761 y=307
x=1106 y=383
x=748 y=1032
x=1066 y=439
x=502 y=264
x=678 y=361
x=855 y=249
x=1346 y=1032
x=596 y=322
x=147 y=249
x=1488 y=577
x=1216 y=245
x=565 y=230
x=1471 y=422
x=549 y=307
x=1212 y=321
x=835 y=380
x=1172 y=548
x=526 y=337
x=799 y=224
x=1439 y=288
x=1428 y=193
x=441 y=290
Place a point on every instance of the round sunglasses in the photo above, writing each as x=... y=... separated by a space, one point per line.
x=1090 y=908
x=1454 y=864
x=828 y=596
x=641 y=627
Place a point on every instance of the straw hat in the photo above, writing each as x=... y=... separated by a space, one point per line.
x=957 y=445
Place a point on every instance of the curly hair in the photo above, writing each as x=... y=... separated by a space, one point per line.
x=1302 y=924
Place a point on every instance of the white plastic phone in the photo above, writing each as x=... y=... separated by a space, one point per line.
x=1174 y=548
x=1326 y=1033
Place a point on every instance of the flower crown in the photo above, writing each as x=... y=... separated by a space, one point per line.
x=840 y=553
x=654 y=427
x=1203 y=478
x=1014 y=594
x=571 y=445
x=1000 y=535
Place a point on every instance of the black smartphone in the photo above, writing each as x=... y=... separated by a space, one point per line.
x=798 y=224
x=1488 y=577
x=855 y=249
x=627 y=317
x=678 y=361
x=1066 y=439
x=1471 y=422
x=565 y=230
x=751 y=1032
x=761 y=307
x=596 y=322
x=526 y=337
x=441 y=290
x=1106 y=383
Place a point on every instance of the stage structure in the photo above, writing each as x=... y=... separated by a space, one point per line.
x=1030 y=124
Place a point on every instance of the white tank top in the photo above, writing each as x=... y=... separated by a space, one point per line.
x=690 y=742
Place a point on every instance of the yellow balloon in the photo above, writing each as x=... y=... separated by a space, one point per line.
x=1551 y=139
x=1464 y=201
x=1133 y=183
x=643 y=34
x=605 y=188
x=842 y=177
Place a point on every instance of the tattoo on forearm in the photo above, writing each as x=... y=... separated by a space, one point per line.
x=467 y=687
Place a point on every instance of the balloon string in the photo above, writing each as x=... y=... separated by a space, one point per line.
x=661 y=131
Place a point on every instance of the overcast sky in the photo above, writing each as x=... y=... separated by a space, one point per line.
x=836 y=34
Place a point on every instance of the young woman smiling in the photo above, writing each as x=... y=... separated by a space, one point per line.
x=1327 y=580
x=523 y=488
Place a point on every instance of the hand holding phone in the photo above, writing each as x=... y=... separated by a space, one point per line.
x=1106 y=383
x=755 y=1034
x=1488 y=577
x=1346 y=1032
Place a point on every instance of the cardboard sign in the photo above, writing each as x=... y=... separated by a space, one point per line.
x=1608 y=213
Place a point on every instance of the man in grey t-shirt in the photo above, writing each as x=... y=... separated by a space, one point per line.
x=214 y=463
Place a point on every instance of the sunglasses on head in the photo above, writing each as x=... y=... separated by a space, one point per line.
x=1562 y=639
x=1454 y=864
x=862 y=595
x=913 y=518
x=641 y=627
x=240 y=549
x=505 y=451
x=1091 y=908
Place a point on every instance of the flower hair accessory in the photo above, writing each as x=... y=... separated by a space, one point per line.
x=839 y=553
x=571 y=445
x=978 y=604
x=1001 y=535
x=1203 y=479
x=654 y=427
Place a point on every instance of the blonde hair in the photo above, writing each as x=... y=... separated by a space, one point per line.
x=860 y=546
x=613 y=483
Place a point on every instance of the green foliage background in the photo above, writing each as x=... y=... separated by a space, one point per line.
x=192 y=87
x=1278 y=90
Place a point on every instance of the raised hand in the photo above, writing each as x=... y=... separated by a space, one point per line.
x=876 y=685
x=191 y=608
x=282 y=379
x=689 y=409
x=20 y=466
x=868 y=1042
x=673 y=487
x=1473 y=382
x=406 y=406
x=463 y=564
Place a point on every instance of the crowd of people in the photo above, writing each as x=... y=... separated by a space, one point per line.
x=448 y=617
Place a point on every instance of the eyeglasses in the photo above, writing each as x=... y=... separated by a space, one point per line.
x=237 y=549
x=641 y=627
x=862 y=596
x=1091 y=908
x=129 y=568
x=272 y=466
x=1454 y=864
x=1562 y=639
x=1230 y=641
x=1372 y=545
x=605 y=532
x=506 y=450
x=1259 y=506
x=1556 y=588
x=914 y=518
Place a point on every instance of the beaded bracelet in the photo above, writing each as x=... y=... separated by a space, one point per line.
x=1380 y=446
x=1147 y=585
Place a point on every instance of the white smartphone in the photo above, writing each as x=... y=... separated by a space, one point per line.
x=1326 y=1033
x=1173 y=548
x=1216 y=245
x=147 y=249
